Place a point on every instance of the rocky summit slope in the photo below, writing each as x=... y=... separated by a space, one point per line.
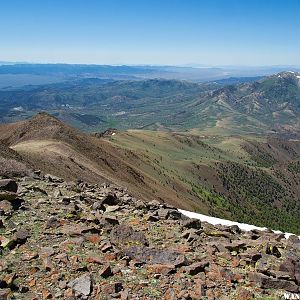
x=73 y=240
x=47 y=144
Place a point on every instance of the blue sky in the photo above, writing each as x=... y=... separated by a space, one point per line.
x=173 y=32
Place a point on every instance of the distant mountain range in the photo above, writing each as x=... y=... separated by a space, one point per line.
x=20 y=74
x=269 y=105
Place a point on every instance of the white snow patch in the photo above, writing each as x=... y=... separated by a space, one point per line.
x=119 y=113
x=19 y=108
x=298 y=76
x=216 y=221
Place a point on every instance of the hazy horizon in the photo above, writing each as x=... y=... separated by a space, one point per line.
x=183 y=65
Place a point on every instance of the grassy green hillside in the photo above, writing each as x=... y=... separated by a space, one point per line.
x=253 y=180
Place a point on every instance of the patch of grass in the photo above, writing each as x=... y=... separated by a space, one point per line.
x=294 y=167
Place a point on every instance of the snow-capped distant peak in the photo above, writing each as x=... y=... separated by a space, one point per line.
x=286 y=74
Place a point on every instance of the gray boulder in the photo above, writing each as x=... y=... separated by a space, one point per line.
x=82 y=284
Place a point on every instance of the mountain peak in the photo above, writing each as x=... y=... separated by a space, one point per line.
x=40 y=126
x=288 y=74
x=45 y=117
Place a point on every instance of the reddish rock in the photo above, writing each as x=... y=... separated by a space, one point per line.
x=62 y=258
x=46 y=294
x=69 y=294
x=210 y=295
x=124 y=295
x=6 y=206
x=94 y=259
x=9 y=279
x=110 y=256
x=196 y=268
x=46 y=252
x=74 y=230
x=170 y=295
x=29 y=255
x=33 y=270
x=106 y=246
x=235 y=262
x=71 y=242
x=161 y=269
x=48 y=264
x=200 y=287
x=93 y=238
x=32 y=282
x=4 y=294
x=111 y=288
x=105 y=271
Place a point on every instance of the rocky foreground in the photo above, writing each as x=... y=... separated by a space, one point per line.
x=67 y=240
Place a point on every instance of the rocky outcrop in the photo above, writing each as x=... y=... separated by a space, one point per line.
x=73 y=240
x=8 y=189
